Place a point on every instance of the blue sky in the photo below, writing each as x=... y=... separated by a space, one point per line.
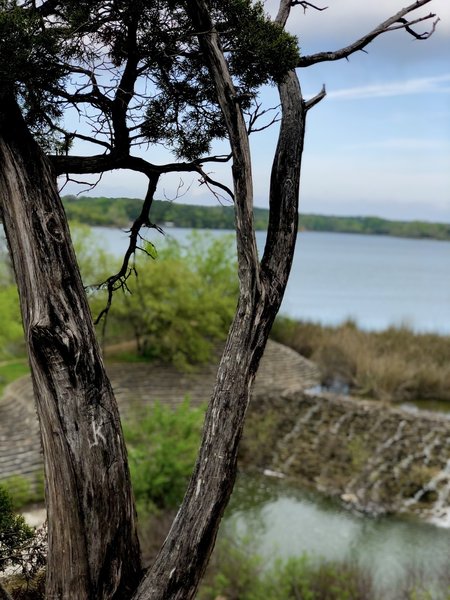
x=378 y=144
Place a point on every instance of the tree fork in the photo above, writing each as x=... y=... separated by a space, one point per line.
x=93 y=546
x=185 y=553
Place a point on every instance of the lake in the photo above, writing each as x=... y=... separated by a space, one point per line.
x=378 y=281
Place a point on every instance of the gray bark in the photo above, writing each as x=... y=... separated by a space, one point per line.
x=93 y=546
x=185 y=553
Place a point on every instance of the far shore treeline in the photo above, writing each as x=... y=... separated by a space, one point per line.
x=117 y=212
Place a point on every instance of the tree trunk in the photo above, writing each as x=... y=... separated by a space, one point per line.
x=93 y=546
x=185 y=553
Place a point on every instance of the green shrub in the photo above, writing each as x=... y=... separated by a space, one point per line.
x=237 y=573
x=181 y=302
x=11 y=330
x=23 y=490
x=15 y=534
x=162 y=447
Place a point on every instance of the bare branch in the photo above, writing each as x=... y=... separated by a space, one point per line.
x=90 y=185
x=118 y=281
x=395 y=22
x=257 y=114
x=316 y=99
x=180 y=191
x=307 y=5
x=208 y=181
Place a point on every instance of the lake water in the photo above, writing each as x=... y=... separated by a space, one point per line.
x=376 y=280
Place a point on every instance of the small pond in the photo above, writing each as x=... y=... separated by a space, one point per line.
x=282 y=520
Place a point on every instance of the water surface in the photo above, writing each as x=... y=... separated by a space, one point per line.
x=378 y=281
x=282 y=520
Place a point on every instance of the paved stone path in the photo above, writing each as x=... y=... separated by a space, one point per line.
x=138 y=384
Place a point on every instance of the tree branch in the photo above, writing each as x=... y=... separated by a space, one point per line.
x=307 y=5
x=395 y=22
x=118 y=281
x=242 y=174
x=316 y=99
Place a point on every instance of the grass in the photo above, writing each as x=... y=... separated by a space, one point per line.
x=392 y=365
x=12 y=370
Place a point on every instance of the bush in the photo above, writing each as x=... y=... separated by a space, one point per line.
x=15 y=535
x=23 y=491
x=162 y=447
x=181 y=303
x=11 y=330
x=236 y=573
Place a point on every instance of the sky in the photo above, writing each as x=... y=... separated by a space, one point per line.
x=378 y=144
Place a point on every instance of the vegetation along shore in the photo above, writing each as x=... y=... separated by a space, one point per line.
x=117 y=211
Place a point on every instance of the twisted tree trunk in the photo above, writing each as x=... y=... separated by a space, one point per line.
x=93 y=546
x=185 y=553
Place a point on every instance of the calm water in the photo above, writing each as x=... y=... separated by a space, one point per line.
x=280 y=520
x=376 y=280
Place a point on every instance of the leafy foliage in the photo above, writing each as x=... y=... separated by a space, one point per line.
x=51 y=55
x=260 y=51
x=29 y=63
x=15 y=534
x=11 y=330
x=180 y=304
x=237 y=571
x=162 y=446
x=185 y=115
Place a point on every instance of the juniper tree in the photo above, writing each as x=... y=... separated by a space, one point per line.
x=182 y=74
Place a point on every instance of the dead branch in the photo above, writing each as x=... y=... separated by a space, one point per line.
x=118 y=281
x=256 y=114
x=307 y=5
x=395 y=22
x=316 y=99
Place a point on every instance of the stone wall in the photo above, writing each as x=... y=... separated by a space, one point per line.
x=375 y=457
x=135 y=385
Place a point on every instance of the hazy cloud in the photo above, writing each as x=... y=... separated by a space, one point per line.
x=422 y=85
x=411 y=144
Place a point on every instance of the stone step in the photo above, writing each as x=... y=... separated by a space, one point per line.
x=138 y=384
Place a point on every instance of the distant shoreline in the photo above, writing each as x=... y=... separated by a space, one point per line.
x=115 y=212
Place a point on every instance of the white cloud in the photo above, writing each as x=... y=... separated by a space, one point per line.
x=423 y=85
x=411 y=144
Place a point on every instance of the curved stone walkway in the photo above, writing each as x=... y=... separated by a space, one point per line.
x=138 y=384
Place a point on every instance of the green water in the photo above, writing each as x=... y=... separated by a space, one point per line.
x=281 y=520
x=440 y=406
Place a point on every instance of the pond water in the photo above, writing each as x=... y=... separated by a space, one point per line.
x=282 y=520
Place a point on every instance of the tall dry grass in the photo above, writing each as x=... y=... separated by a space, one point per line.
x=394 y=365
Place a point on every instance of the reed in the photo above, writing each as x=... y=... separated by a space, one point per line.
x=392 y=365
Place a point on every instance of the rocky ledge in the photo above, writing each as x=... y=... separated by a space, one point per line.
x=375 y=457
